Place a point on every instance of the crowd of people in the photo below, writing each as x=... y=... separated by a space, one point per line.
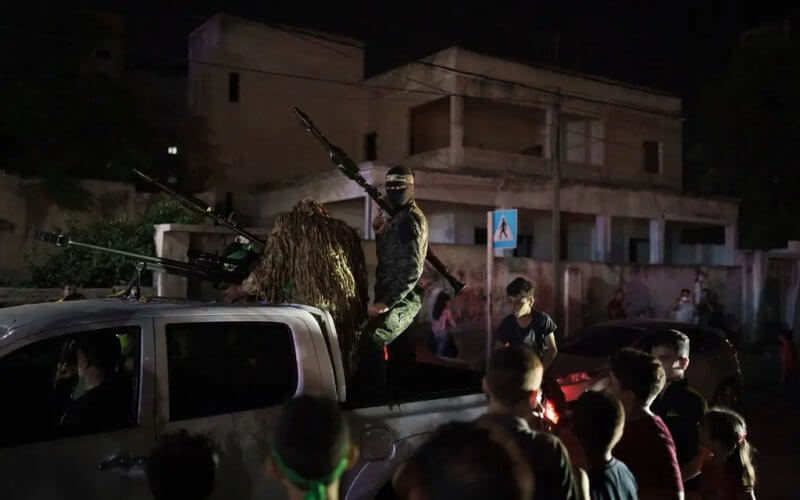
x=647 y=435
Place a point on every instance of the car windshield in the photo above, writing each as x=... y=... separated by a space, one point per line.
x=603 y=341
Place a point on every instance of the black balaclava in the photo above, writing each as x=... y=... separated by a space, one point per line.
x=399 y=186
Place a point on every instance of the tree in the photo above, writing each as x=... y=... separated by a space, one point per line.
x=744 y=141
x=96 y=269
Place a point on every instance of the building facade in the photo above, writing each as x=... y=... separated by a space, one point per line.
x=480 y=132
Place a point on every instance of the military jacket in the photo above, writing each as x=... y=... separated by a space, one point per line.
x=401 y=249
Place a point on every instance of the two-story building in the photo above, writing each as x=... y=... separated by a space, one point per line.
x=479 y=132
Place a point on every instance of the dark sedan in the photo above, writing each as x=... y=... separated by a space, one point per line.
x=583 y=359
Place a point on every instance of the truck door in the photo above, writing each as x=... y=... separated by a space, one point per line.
x=59 y=432
x=226 y=376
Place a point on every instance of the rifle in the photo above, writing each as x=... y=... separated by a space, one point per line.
x=350 y=169
x=206 y=212
x=205 y=266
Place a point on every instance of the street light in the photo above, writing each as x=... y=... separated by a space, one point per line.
x=173 y=150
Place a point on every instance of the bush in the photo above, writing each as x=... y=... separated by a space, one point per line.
x=98 y=269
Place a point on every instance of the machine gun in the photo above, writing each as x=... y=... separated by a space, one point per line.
x=206 y=212
x=350 y=169
x=207 y=267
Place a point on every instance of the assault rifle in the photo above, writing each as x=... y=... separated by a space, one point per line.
x=350 y=169
x=207 y=267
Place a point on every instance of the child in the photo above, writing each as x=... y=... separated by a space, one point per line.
x=442 y=322
x=730 y=473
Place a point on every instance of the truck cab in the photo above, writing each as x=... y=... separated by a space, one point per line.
x=214 y=369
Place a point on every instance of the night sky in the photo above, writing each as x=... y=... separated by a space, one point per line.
x=674 y=46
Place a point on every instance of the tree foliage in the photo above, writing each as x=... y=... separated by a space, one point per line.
x=745 y=141
x=96 y=269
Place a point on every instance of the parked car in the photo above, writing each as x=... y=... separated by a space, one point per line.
x=220 y=370
x=583 y=360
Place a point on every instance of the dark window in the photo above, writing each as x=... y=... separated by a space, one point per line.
x=601 y=342
x=639 y=250
x=524 y=245
x=218 y=368
x=480 y=235
x=103 y=54
x=43 y=398
x=371 y=145
x=652 y=157
x=233 y=87
x=703 y=235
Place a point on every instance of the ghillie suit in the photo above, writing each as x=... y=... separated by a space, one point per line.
x=313 y=259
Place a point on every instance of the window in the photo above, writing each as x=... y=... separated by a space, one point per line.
x=480 y=236
x=524 y=245
x=103 y=54
x=219 y=368
x=43 y=397
x=371 y=146
x=652 y=157
x=703 y=235
x=233 y=87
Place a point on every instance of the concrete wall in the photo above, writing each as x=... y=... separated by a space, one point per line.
x=26 y=208
x=258 y=139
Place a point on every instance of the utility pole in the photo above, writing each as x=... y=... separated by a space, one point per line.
x=555 y=164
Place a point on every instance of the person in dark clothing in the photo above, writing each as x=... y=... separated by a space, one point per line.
x=106 y=404
x=534 y=329
x=181 y=466
x=464 y=461
x=598 y=421
x=512 y=382
x=646 y=446
x=401 y=245
x=679 y=406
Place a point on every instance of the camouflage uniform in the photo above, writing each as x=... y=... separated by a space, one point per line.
x=401 y=250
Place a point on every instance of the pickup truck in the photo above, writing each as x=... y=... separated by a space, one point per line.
x=220 y=370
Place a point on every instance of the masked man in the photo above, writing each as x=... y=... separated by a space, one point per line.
x=401 y=244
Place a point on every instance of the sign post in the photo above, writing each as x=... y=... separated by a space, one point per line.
x=501 y=234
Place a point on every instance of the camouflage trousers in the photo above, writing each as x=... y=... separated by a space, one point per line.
x=370 y=377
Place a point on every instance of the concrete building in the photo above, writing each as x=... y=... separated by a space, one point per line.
x=479 y=132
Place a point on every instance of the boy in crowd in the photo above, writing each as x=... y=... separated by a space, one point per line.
x=598 y=421
x=312 y=448
x=679 y=406
x=646 y=446
x=512 y=382
x=533 y=329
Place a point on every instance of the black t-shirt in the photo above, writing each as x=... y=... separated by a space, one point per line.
x=102 y=408
x=532 y=336
x=548 y=457
x=614 y=481
x=683 y=410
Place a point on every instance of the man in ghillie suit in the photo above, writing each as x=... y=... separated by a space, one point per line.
x=313 y=259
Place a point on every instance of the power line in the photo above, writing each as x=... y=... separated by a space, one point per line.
x=367 y=86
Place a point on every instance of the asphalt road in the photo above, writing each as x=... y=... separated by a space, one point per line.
x=773 y=428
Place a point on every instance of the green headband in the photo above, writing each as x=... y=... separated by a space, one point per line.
x=316 y=489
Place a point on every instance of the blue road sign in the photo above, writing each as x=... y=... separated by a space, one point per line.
x=504 y=229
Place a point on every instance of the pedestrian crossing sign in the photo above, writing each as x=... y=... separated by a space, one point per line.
x=505 y=229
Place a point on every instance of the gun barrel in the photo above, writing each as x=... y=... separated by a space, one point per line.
x=205 y=212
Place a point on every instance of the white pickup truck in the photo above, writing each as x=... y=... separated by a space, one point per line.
x=217 y=369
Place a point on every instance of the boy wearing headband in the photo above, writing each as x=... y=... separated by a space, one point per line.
x=312 y=448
